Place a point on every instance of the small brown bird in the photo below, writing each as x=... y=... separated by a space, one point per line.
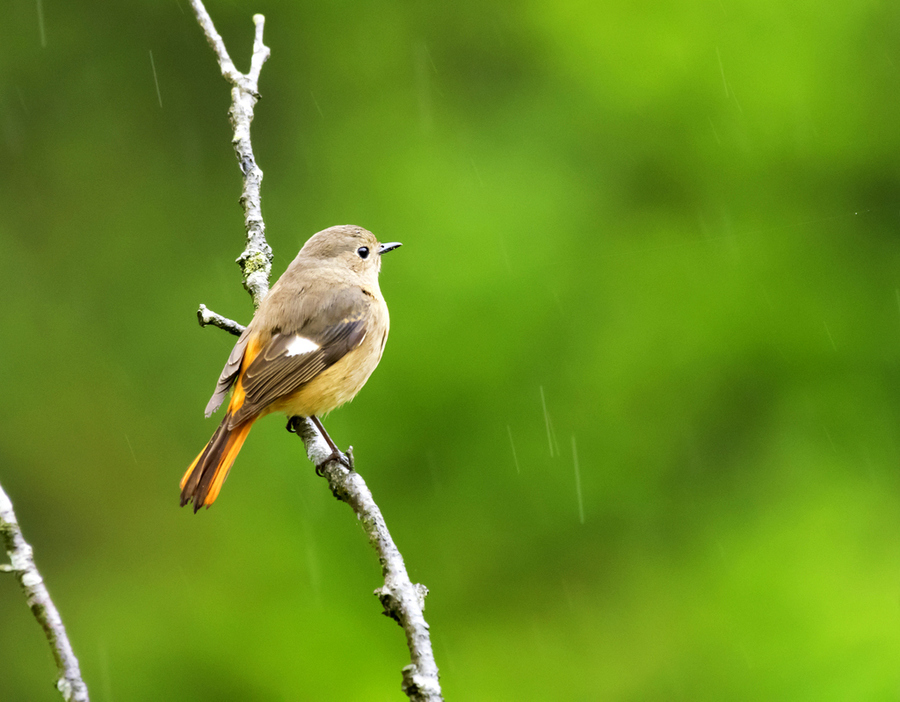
x=310 y=347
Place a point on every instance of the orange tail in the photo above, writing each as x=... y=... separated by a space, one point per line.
x=203 y=479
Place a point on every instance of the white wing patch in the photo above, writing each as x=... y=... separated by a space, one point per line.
x=300 y=345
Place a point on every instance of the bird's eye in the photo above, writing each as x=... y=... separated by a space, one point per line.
x=363 y=251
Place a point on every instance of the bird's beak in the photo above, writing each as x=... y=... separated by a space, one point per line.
x=384 y=248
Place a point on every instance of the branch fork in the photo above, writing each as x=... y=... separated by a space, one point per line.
x=256 y=259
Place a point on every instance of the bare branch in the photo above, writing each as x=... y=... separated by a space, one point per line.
x=402 y=600
x=206 y=316
x=229 y=72
x=22 y=564
x=256 y=259
x=260 y=50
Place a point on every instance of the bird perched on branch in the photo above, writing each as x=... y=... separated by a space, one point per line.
x=310 y=347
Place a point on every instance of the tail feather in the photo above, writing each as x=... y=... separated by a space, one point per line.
x=204 y=477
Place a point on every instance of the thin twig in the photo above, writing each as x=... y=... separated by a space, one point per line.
x=229 y=72
x=207 y=317
x=402 y=600
x=22 y=564
x=256 y=259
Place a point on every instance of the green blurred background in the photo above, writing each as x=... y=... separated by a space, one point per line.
x=663 y=237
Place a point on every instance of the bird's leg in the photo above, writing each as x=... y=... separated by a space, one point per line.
x=336 y=454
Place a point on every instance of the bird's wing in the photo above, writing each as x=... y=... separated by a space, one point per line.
x=293 y=357
x=229 y=373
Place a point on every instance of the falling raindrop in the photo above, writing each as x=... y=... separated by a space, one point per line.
x=547 y=420
x=512 y=443
x=155 y=80
x=577 y=482
x=41 y=29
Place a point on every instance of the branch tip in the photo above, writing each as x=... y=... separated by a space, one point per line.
x=206 y=316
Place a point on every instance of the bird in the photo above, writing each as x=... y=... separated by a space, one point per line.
x=311 y=346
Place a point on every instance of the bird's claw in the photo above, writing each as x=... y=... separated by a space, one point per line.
x=345 y=459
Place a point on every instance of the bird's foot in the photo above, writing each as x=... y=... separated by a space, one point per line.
x=345 y=459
